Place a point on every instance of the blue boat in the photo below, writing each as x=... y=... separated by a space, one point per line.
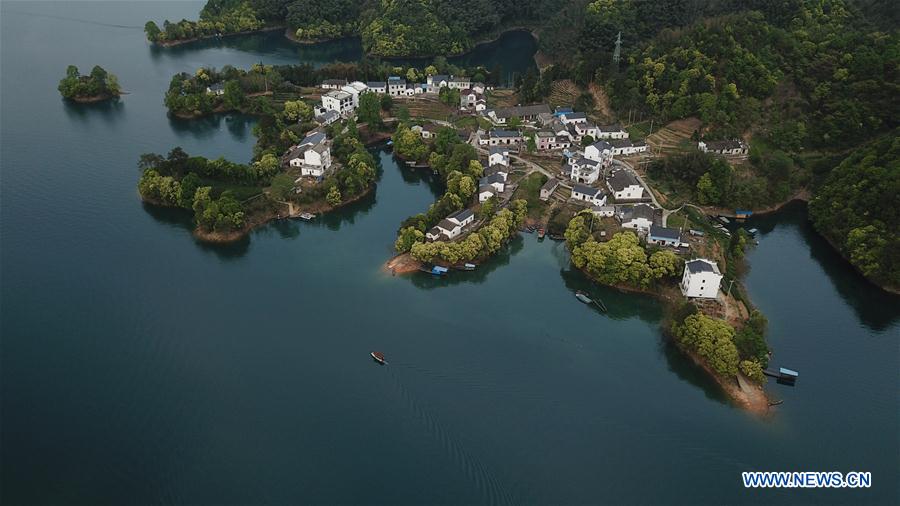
x=788 y=373
x=437 y=270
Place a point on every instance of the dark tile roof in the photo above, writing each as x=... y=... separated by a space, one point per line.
x=585 y=190
x=621 y=179
x=462 y=215
x=665 y=233
x=698 y=265
x=551 y=184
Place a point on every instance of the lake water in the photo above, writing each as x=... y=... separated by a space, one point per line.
x=139 y=366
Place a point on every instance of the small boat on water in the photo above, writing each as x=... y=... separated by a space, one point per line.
x=307 y=216
x=541 y=234
x=378 y=357
x=753 y=232
x=583 y=297
x=468 y=267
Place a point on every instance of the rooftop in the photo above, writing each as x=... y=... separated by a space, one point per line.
x=665 y=233
x=702 y=265
x=621 y=179
x=585 y=190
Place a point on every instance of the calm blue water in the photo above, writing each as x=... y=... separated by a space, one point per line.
x=138 y=366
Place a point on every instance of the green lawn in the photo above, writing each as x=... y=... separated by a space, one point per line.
x=530 y=190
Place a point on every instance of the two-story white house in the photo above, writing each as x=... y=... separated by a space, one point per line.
x=355 y=89
x=701 y=279
x=396 y=86
x=312 y=155
x=593 y=196
x=570 y=117
x=624 y=186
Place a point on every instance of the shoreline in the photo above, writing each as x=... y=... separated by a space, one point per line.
x=92 y=99
x=757 y=403
x=181 y=42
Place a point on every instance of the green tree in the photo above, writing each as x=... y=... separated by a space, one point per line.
x=297 y=110
x=369 y=110
x=407 y=237
x=334 y=196
x=233 y=96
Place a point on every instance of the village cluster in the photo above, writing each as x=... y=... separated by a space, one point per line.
x=588 y=168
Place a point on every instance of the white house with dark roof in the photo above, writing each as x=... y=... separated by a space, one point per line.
x=485 y=192
x=312 y=155
x=623 y=186
x=396 y=86
x=216 y=89
x=701 y=279
x=570 y=117
x=625 y=147
x=497 y=181
x=525 y=113
x=333 y=84
x=729 y=148
x=614 y=131
x=662 y=236
x=639 y=217
x=549 y=187
x=498 y=155
x=593 y=196
x=604 y=211
x=377 y=87
x=584 y=129
x=451 y=226
x=599 y=151
x=327 y=117
x=497 y=137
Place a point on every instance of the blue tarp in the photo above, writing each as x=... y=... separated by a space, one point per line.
x=437 y=269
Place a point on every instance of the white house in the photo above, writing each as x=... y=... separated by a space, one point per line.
x=548 y=188
x=624 y=186
x=459 y=83
x=524 y=113
x=377 y=87
x=593 y=196
x=547 y=139
x=396 y=86
x=600 y=151
x=451 y=226
x=501 y=138
x=312 y=155
x=355 y=89
x=639 y=217
x=485 y=192
x=216 y=89
x=569 y=117
x=701 y=279
x=496 y=181
x=604 y=211
x=498 y=155
x=501 y=170
x=613 y=131
x=327 y=117
x=584 y=129
x=663 y=236
x=627 y=147
x=730 y=148
x=427 y=131
x=338 y=101
x=583 y=170
x=333 y=84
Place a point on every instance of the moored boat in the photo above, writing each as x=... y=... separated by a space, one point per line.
x=307 y=216
x=583 y=297
x=378 y=357
x=541 y=234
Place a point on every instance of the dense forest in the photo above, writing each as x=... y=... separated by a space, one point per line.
x=99 y=84
x=858 y=209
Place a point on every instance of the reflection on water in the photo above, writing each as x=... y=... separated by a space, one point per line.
x=108 y=110
x=876 y=308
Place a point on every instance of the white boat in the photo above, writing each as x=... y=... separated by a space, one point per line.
x=307 y=216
